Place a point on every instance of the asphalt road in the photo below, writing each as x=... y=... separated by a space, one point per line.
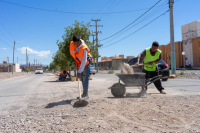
x=17 y=94
x=13 y=92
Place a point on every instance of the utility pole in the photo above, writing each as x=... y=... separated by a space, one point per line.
x=173 y=59
x=36 y=63
x=93 y=46
x=98 y=45
x=13 y=57
x=26 y=57
x=17 y=59
x=8 y=63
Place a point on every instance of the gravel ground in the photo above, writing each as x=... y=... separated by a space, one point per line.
x=158 y=113
x=51 y=110
x=6 y=75
x=191 y=74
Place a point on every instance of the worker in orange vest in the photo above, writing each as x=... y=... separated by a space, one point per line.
x=81 y=54
x=63 y=75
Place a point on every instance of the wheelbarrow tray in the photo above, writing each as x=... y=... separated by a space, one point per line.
x=136 y=79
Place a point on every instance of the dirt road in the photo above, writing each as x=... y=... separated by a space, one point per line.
x=49 y=109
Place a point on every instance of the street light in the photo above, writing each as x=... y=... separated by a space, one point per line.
x=183 y=53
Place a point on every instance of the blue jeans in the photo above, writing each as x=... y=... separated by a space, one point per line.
x=62 y=78
x=85 y=78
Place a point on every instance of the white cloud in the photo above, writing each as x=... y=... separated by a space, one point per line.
x=31 y=51
x=3 y=48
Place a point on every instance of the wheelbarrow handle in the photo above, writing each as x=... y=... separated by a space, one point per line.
x=155 y=79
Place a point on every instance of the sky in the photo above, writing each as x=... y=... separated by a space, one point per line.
x=36 y=25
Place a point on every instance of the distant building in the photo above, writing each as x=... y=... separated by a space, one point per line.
x=5 y=66
x=190 y=44
x=114 y=62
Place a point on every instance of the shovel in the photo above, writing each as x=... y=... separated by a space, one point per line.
x=81 y=102
x=137 y=65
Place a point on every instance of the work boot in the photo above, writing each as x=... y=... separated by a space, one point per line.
x=85 y=95
x=162 y=92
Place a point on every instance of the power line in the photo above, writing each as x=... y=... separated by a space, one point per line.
x=10 y=46
x=111 y=9
x=42 y=9
x=6 y=43
x=102 y=8
x=139 y=22
x=7 y=30
x=131 y=22
x=135 y=31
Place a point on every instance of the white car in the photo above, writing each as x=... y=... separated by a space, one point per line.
x=92 y=70
x=39 y=70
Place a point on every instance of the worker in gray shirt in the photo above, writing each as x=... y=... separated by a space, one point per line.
x=151 y=57
x=81 y=54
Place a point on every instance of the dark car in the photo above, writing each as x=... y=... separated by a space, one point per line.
x=163 y=68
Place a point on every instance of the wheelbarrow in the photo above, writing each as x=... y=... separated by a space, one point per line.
x=132 y=80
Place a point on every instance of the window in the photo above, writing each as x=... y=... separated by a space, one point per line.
x=185 y=43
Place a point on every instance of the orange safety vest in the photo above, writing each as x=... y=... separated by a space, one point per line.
x=63 y=73
x=79 y=56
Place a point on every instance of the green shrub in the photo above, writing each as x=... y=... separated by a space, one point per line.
x=184 y=69
x=111 y=71
x=182 y=73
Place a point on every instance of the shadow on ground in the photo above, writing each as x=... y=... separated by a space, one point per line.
x=132 y=95
x=64 y=102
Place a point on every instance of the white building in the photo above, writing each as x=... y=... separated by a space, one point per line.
x=189 y=31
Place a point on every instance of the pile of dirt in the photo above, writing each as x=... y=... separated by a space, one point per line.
x=127 y=69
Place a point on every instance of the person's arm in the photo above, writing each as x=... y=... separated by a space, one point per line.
x=160 y=57
x=143 y=54
x=68 y=74
x=155 y=60
x=84 y=61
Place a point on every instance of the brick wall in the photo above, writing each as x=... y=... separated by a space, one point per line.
x=5 y=69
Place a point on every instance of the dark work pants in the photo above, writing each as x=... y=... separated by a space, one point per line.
x=151 y=74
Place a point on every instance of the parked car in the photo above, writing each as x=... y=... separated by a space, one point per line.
x=39 y=71
x=163 y=68
x=92 y=70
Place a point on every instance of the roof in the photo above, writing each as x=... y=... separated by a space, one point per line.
x=106 y=60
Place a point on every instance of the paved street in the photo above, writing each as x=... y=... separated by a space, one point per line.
x=18 y=93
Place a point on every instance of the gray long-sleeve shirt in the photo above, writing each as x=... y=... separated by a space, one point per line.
x=84 y=60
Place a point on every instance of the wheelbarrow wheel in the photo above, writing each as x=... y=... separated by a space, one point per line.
x=118 y=90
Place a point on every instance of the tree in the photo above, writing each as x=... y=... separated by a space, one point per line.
x=53 y=66
x=60 y=60
x=80 y=29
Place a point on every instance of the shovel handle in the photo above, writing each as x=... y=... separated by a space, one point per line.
x=79 y=88
x=137 y=65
